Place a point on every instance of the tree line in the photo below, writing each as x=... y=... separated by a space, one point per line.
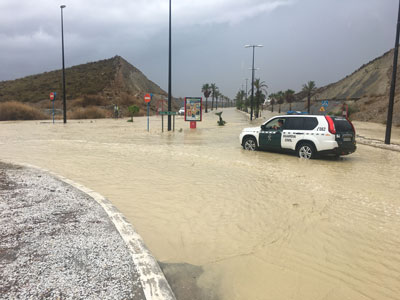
x=213 y=91
x=243 y=101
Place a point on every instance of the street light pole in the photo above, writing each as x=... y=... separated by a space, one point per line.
x=246 y=87
x=252 y=80
x=393 y=85
x=63 y=65
x=169 y=70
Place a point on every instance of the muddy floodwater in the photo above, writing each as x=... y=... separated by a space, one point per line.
x=258 y=225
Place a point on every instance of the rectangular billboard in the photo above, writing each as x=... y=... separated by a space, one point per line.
x=193 y=106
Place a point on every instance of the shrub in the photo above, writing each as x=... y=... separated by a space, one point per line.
x=133 y=109
x=13 y=110
x=220 y=121
x=88 y=113
x=353 y=108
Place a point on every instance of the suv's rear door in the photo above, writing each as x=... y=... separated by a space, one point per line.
x=345 y=133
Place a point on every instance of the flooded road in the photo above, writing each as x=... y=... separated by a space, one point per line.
x=261 y=225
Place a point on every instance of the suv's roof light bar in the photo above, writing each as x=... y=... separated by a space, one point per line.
x=296 y=112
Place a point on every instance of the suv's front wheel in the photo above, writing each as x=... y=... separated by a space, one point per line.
x=250 y=143
x=306 y=150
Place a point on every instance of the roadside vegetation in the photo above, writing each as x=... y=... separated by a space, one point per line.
x=12 y=110
x=91 y=112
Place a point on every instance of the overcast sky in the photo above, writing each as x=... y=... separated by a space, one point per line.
x=320 y=40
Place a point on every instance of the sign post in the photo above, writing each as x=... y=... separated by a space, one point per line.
x=52 y=99
x=193 y=110
x=324 y=105
x=168 y=113
x=147 y=99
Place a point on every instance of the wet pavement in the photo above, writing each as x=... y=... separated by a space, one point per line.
x=235 y=224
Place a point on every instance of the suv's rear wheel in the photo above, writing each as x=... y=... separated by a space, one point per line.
x=306 y=150
x=250 y=143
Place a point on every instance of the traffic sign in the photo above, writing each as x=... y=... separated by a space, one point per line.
x=322 y=108
x=147 y=98
x=167 y=113
x=53 y=96
x=325 y=103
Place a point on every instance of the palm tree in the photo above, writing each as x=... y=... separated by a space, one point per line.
x=289 y=96
x=214 y=89
x=217 y=94
x=272 y=102
x=261 y=88
x=272 y=97
x=239 y=99
x=206 y=89
x=309 y=88
x=280 y=98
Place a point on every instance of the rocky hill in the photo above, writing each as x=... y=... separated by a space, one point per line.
x=110 y=81
x=366 y=91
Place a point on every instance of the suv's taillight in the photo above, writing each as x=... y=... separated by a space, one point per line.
x=331 y=125
x=352 y=126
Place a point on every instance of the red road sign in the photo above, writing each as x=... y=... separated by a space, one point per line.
x=147 y=98
x=51 y=96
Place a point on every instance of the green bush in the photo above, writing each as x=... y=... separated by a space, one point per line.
x=133 y=109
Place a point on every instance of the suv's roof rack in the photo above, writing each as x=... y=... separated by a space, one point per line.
x=296 y=112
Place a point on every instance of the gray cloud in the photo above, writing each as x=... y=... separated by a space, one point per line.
x=321 y=40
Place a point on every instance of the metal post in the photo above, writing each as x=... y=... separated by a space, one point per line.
x=162 y=123
x=53 y=110
x=148 y=113
x=252 y=88
x=393 y=85
x=174 y=123
x=169 y=70
x=63 y=65
x=246 y=87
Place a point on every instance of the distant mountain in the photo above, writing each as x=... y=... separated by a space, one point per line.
x=366 y=90
x=371 y=79
x=114 y=79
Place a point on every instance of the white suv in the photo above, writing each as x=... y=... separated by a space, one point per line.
x=308 y=135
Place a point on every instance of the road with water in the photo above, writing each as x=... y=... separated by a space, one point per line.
x=260 y=225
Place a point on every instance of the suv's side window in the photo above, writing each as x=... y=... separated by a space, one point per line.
x=301 y=123
x=275 y=124
x=310 y=123
x=294 y=124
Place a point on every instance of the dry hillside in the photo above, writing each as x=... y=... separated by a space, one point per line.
x=369 y=86
x=102 y=83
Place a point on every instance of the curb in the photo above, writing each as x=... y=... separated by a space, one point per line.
x=377 y=143
x=152 y=279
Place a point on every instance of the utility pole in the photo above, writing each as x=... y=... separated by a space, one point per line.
x=246 y=87
x=169 y=71
x=63 y=65
x=252 y=81
x=393 y=85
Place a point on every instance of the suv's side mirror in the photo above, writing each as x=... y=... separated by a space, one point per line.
x=263 y=127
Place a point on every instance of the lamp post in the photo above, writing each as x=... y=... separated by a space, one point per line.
x=246 y=87
x=393 y=85
x=169 y=70
x=252 y=80
x=63 y=64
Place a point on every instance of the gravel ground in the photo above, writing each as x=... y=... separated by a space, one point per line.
x=56 y=242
